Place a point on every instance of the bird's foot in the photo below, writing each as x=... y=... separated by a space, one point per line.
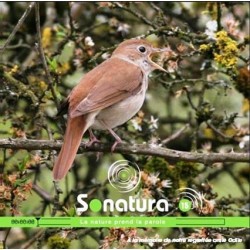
x=91 y=142
x=115 y=144
x=92 y=139
x=118 y=140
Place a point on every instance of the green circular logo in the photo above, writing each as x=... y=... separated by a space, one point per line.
x=185 y=205
x=95 y=205
x=124 y=175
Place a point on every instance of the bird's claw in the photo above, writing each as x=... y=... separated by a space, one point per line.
x=91 y=142
x=115 y=144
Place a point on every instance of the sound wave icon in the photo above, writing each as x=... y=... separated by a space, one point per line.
x=192 y=195
x=124 y=175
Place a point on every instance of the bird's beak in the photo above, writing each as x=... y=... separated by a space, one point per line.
x=154 y=51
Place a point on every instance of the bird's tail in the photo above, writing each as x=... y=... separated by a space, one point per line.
x=76 y=127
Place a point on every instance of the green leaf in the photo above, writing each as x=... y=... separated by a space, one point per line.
x=20 y=182
x=71 y=212
x=52 y=64
x=22 y=165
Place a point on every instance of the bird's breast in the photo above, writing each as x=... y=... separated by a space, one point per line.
x=122 y=111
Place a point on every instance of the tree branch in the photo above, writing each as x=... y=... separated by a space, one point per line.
x=42 y=55
x=17 y=27
x=22 y=88
x=140 y=149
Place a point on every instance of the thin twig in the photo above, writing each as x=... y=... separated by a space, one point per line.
x=94 y=26
x=217 y=131
x=56 y=199
x=229 y=232
x=6 y=236
x=18 y=45
x=175 y=135
x=237 y=180
x=174 y=119
x=190 y=99
x=177 y=32
x=159 y=11
x=41 y=53
x=139 y=149
x=155 y=7
x=31 y=241
x=135 y=13
x=218 y=16
x=71 y=24
x=17 y=27
x=42 y=193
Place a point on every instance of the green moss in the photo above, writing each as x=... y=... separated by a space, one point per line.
x=156 y=164
x=182 y=174
x=57 y=242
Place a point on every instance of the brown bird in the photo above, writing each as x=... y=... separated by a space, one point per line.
x=106 y=97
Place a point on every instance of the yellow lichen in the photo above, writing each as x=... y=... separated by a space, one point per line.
x=14 y=69
x=245 y=106
x=43 y=85
x=226 y=50
x=209 y=133
x=46 y=37
x=205 y=47
x=230 y=131
x=63 y=68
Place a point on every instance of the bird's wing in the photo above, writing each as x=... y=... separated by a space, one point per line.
x=110 y=82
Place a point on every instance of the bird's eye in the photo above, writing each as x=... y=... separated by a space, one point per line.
x=142 y=49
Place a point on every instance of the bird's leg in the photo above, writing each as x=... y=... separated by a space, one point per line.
x=92 y=138
x=117 y=138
